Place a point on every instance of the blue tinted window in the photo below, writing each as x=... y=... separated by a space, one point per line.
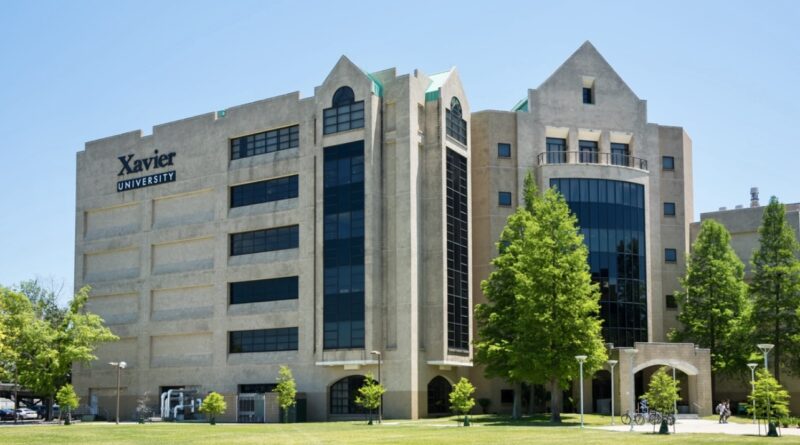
x=504 y=198
x=588 y=96
x=264 y=191
x=345 y=114
x=263 y=340
x=670 y=255
x=503 y=150
x=457 y=253
x=273 y=289
x=668 y=163
x=611 y=218
x=266 y=240
x=556 y=151
x=456 y=125
x=669 y=209
x=266 y=142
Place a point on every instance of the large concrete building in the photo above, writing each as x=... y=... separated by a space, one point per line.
x=350 y=230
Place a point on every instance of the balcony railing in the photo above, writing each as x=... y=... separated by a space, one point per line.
x=591 y=157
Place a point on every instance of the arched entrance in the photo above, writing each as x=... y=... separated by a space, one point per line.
x=642 y=385
x=439 y=396
x=343 y=394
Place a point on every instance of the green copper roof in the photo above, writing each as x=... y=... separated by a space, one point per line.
x=522 y=105
x=377 y=86
x=434 y=89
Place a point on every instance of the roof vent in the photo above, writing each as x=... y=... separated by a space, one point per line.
x=754 y=197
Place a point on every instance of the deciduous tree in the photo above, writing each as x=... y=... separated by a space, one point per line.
x=287 y=391
x=67 y=401
x=213 y=405
x=369 y=395
x=461 y=401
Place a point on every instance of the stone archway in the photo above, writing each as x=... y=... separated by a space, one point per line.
x=694 y=362
x=439 y=396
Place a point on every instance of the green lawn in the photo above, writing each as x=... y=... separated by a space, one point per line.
x=485 y=430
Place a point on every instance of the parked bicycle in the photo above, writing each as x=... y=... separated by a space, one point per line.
x=629 y=416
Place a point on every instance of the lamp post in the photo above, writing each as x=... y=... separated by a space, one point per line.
x=380 y=381
x=765 y=348
x=752 y=367
x=120 y=366
x=612 y=363
x=581 y=359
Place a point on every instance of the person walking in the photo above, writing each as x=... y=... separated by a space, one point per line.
x=727 y=411
x=721 y=410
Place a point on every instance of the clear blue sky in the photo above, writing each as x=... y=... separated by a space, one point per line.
x=727 y=71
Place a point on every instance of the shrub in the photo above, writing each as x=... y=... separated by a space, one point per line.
x=213 y=405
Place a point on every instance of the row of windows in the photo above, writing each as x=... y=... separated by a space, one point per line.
x=266 y=240
x=257 y=291
x=263 y=340
x=265 y=142
x=264 y=191
x=344 y=114
x=457 y=253
x=456 y=126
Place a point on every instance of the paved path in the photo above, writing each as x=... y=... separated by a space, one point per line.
x=705 y=426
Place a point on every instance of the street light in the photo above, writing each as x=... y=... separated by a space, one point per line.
x=120 y=366
x=380 y=381
x=612 y=363
x=752 y=367
x=581 y=359
x=765 y=348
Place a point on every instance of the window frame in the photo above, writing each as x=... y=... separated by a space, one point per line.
x=668 y=205
x=501 y=148
x=275 y=289
x=500 y=199
x=669 y=251
x=663 y=165
x=285 y=237
x=270 y=141
x=344 y=114
x=670 y=301
x=260 y=192
x=283 y=339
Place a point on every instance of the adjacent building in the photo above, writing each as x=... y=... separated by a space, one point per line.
x=347 y=233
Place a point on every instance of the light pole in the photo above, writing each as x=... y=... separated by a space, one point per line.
x=612 y=363
x=765 y=348
x=120 y=366
x=380 y=381
x=752 y=367
x=581 y=359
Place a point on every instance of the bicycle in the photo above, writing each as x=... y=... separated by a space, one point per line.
x=637 y=418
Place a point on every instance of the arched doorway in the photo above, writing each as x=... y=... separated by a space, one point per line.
x=642 y=385
x=439 y=396
x=343 y=394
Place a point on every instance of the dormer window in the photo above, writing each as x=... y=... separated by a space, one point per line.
x=456 y=125
x=345 y=114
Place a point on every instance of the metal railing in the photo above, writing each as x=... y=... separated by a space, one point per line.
x=591 y=157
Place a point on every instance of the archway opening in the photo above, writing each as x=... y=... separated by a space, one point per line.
x=439 y=396
x=642 y=383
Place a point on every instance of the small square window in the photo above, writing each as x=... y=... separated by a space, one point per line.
x=668 y=163
x=670 y=255
x=672 y=303
x=504 y=198
x=506 y=396
x=588 y=95
x=503 y=150
x=669 y=209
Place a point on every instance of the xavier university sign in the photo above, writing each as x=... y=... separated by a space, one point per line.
x=133 y=166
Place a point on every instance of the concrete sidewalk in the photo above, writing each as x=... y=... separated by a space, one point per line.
x=705 y=426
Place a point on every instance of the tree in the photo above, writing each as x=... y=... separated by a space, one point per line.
x=662 y=395
x=213 y=405
x=369 y=395
x=497 y=320
x=44 y=298
x=714 y=309
x=771 y=400
x=775 y=288
x=461 y=401
x=287 y=391
x=544 y=305
x=67 y=399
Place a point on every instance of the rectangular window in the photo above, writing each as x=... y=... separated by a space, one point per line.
x=504 y=198
x=266 y=142
x=343 y=246
x=620 y=154
x=256 y=388
x=257 y=291
x=457 y=253
x=503 y=150
x=669 y=209
x=588 y=96
x=556 y=151
x=671 y=302
x=456 y=127
x=266 y=240
x=343 y=118
x=588 y=154
x=668 y=163
x=670 y=255
x=263 y=340
x=264 y=191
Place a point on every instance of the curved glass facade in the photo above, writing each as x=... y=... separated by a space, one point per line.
x=611 y=217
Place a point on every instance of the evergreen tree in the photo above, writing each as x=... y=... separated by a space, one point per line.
x=369 y=395
x=461 y=401
x=775 y=288
x=714 y=309
x=287 y=391
x=543 y=307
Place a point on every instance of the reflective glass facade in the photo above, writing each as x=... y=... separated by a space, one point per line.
x=457 y=253
x=611 y=216
x=343 y=246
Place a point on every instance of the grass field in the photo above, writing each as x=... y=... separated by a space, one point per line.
x=485 y=430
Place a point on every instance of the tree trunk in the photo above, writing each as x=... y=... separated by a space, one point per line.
x=555 y=400
x=516 y=412
x=530 y=400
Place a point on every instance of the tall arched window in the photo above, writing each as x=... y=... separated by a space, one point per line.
x=344 y=114
x=343 y=395
x=456 y=125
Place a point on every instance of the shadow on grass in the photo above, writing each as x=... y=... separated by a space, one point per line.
x=535 y=420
